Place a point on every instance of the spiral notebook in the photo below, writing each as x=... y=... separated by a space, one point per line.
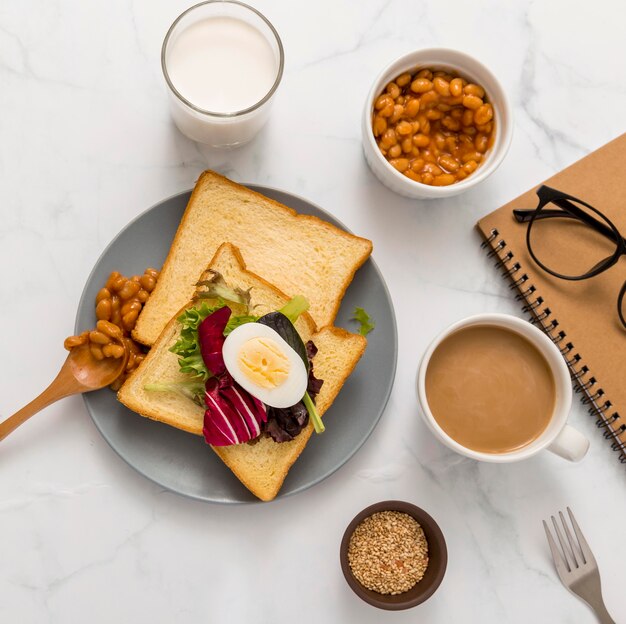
x=580 y=317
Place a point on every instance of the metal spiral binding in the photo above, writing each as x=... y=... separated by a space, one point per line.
x=592 y=396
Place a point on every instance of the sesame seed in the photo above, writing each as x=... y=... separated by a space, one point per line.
x=388 y=552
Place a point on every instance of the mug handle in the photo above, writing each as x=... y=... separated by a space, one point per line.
x=570 y=444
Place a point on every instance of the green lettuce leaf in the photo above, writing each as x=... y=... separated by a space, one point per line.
x=364 y=319
x=187 y=347
x=295 y=307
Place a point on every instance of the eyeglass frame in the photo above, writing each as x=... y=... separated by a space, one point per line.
x=563 y=200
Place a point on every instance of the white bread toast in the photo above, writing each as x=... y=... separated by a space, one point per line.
x=262 y=466
x=299 y=254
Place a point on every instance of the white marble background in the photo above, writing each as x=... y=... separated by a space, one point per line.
x=86 y=144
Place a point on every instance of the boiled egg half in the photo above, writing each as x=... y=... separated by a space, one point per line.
x=262 y=363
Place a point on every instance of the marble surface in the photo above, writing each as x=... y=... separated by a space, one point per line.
x=86 y=144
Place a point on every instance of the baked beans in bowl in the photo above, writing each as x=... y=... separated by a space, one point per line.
x=436 y=122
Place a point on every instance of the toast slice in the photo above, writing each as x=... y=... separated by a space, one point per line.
x=262 y=466
x=299 y=254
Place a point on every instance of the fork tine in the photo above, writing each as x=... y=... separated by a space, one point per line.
x=559 y=563
x=562 y=542
x=584 y=547
x=570 y=539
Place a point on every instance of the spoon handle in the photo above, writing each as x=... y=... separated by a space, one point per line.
x=55 y=391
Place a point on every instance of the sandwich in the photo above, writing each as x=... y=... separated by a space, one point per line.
x=244 y=365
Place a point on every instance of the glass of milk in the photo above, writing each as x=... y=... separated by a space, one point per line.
x=222 y=61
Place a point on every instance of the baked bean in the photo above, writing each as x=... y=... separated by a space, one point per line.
x=389 y=138
x=131 y=364
x=474 y=89
x=412 y=108
x=103 y=309
x=112 y=278
x=403 y=80
x=449 y=163
x=129 y=319
x=76 y=341
x=103 y=293
x=444 y=180
x=112 y=350
x=432 y=168
x=404 y=128
x=424 y=124
x=421 y=140
x=417 y=165
x=142 y=296
x=96 y=352
x=108 y=329
x=118 y=284
x=129 y=290
x=388 y=110
x=429 y=155
x=472 y=102
x=421 y=85
x=450 y=123
x=432 y=126
x=380 y=125
x=428 y=100
x=401 y=164
x=470 y=167
x=393 y=90
x=398 y=111
x=395 y=151
x=471 y=156
x=468 y=117
x=483 y=115
x=416 y=177
x=97 y=337
x=383 y=101
x=441 y=86
x=153 y=272
x=456 y=87
x=481 y=142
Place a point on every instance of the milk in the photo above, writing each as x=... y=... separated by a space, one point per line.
x=222 y=66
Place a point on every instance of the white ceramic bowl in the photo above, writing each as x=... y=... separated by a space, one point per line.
x=466 y=66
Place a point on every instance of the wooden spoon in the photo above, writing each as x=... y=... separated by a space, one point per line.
x=80 y=373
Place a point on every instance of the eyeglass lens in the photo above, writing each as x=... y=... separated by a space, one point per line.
x=566 y=245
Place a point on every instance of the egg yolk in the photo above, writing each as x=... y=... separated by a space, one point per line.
x=263 y=362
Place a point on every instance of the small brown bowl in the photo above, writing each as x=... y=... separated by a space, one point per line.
x=437 y=555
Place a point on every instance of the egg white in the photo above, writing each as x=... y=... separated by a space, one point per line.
x=286 y=394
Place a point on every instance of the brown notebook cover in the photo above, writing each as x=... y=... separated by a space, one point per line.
x=580 y=317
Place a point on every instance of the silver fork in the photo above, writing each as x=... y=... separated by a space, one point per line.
x=576 y=565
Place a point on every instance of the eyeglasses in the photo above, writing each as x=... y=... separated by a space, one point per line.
x=572 y=240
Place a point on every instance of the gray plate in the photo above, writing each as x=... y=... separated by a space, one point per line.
x=182 y=462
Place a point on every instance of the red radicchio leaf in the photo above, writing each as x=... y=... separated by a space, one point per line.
x=211 y=339
x=233 y=416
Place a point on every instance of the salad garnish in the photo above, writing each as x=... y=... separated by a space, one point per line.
x=234 y=415
x=365 y=321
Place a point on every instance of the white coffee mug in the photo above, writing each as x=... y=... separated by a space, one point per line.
x=558 y=436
